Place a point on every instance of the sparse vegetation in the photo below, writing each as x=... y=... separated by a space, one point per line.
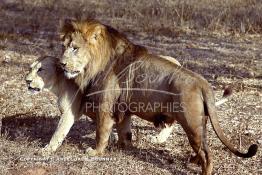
x=219 y=39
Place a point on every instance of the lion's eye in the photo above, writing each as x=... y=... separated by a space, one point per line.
x=39 y=70
x=74 y=48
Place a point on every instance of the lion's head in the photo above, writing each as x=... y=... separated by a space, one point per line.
x=41 y=74
x=87 y=48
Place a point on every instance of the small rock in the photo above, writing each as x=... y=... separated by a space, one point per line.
x=249 y=131
x=7 y=59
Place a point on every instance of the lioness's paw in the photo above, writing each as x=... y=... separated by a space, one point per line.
x=46 y=151
x=91 y=152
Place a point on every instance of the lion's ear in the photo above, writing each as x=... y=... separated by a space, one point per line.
x=67 y=26
x=120 y=47
x=96 y=33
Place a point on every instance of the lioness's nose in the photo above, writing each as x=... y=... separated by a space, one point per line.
x=28 y=81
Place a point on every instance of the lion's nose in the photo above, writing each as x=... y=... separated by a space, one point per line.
x=62 y=64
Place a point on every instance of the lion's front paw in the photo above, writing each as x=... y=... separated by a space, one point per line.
x=91 y=152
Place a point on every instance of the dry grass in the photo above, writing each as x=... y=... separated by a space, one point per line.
x=219 y=39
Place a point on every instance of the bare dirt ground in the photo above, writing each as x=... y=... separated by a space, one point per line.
x=29 y=29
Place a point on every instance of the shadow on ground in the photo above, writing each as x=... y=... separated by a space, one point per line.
x=161 y=158
x=41 y=128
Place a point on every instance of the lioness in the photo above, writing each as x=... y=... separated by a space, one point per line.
x=44 y=74
x=123 y=78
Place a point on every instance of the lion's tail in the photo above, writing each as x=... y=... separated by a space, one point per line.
x=209 y=103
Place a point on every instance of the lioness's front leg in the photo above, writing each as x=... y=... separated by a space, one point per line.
x=65 y=123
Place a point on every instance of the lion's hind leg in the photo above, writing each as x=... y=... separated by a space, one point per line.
x=196 y=132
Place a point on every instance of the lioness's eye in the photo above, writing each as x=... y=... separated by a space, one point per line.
x=39 y=70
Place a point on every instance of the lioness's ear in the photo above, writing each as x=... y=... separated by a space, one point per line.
x=33 y=64
x=67 y=26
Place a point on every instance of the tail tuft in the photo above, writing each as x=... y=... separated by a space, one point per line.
x=252 y=150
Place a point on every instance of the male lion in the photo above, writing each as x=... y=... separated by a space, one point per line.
x=125 y=81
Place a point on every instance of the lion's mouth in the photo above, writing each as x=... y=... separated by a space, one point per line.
x=72 y=74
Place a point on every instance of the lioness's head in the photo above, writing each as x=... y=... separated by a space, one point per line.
x=41 y=74
x=87 y=47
